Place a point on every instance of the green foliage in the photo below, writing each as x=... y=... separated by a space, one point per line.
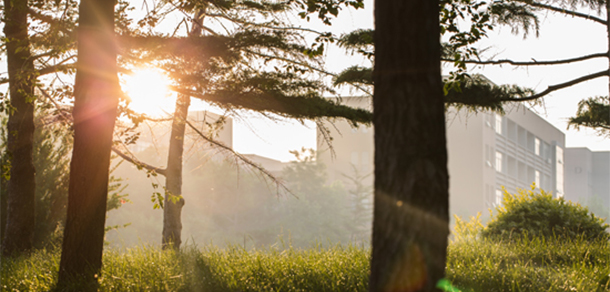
x=467 y=230
x=52 y=150
x=529 y=265
x=593 y=113
x=516 y=15
x=478 y=93
x=538 y=215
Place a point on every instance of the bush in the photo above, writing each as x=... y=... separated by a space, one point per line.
x=534 y=214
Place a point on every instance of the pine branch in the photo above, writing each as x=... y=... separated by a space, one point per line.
x=533 y=63
x=241 y=158
x=560 y=86
x=366 y=91
x=47 y=19
x=565 y=11
x=136 y=162
x=263 y=25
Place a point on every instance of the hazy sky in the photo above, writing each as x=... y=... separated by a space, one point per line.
x=560 y=37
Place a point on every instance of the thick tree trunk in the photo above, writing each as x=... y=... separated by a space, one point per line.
x=410 y=226
x=172 y=210
x=96 y=98
x=20 y=216
x=608 y=40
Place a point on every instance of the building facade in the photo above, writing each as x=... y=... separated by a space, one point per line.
x=487 y=152
x=588 y=179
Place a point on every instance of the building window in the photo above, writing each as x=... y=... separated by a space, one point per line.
x=354 y=158
x=499 y=124
x=499 y=161
x=559 y=170
x=498 y=197
x=537 y=146
x=537 y=179
x=489 y=155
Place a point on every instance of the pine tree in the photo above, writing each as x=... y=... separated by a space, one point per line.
x=411 y=210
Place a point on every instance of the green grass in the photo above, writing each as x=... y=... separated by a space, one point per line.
x=473 y=265
x=529 y=265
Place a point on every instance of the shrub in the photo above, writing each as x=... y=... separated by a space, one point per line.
x=532 y=214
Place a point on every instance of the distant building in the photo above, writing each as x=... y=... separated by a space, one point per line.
x=588 y=177
x=486 y=152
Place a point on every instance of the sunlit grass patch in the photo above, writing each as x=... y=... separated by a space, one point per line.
x=529 y=265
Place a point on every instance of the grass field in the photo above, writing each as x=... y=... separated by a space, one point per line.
x=473 y=265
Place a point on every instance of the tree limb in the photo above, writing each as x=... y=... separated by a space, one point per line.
x=47 y=70
x=565 y=11
x=242 y=158
x=524 y=63
x=560 y=86
x=136 y=162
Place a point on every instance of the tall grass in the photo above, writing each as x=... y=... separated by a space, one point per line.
x=525 y=264
x=473 y=265
x=341 y=268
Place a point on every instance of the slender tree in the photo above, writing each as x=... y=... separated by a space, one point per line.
x=410 y=225
x=226 y=66
x=96 y=95
x=20 y=218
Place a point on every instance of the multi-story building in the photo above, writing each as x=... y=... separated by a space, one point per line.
x=486 y=151
x=588 y=178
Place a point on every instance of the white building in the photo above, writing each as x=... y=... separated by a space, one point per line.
x=588 y=178
x=486 y=152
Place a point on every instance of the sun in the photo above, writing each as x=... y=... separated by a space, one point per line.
x=148 y=92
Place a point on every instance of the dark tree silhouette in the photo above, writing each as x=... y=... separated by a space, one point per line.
x=410 y=224
x=20 y=215
x=96 y=98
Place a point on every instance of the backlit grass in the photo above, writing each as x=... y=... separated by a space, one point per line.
x=473 y=265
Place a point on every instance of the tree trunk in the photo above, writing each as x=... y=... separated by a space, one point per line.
x=20 y=215
x=172 y=210
x=410 y=225
x=96 y=96
x=172 y=225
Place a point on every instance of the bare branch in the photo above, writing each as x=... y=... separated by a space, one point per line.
x=560 y=86
x=47 y=70
x=565 y=11
x=534 y=62
x=242 y=158
x=136 y=162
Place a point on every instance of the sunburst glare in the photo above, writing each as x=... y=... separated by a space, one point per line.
x=148 y=91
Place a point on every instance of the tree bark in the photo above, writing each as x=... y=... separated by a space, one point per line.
x=20 y=214
x=410 y=225
x=96 y=96
x=172 y=210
